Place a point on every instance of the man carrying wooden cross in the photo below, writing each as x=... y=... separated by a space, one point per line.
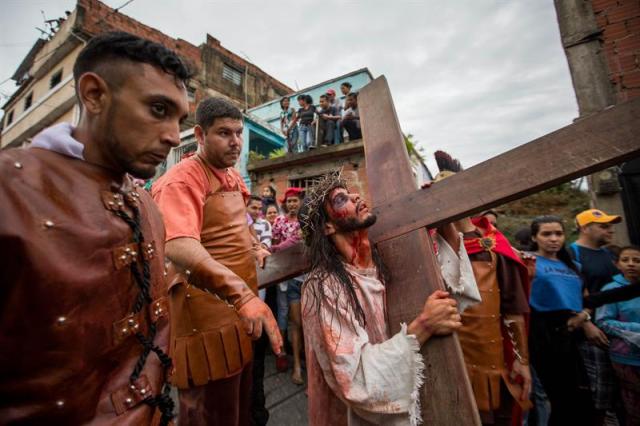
x=607 y=138
x=357 y=373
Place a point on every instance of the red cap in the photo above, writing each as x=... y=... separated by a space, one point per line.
x=331 y=92
x=291 y=191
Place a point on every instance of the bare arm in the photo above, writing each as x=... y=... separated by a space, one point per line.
x=294 y=120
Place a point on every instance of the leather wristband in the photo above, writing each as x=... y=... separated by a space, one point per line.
x=217 y=278
x=518 y=336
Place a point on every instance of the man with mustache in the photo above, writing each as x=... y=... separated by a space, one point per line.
x=215 y=308
x=357 y=372
x=84 y=330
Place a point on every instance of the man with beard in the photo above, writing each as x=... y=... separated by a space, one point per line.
x=216 y=311
x=357 y=373
x=84 y=327
x=596 y=264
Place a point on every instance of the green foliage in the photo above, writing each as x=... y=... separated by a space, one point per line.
x=280 y=152
x=411 y=146
x=255 y=156
x=565 y=200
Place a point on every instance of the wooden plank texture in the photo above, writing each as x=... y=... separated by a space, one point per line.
x=594 y=143
x=286 y=264
x=591 y=144
x=447 y=398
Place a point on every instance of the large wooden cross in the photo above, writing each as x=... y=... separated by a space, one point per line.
x=599 y=141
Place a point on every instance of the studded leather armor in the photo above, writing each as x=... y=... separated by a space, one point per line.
x=71 y=309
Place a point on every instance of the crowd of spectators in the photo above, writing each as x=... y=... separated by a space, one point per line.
x=275 y=222
x=584 y=326
x=331 y=122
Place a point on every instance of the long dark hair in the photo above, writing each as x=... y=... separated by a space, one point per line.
x=563 y=253
x=327 y=266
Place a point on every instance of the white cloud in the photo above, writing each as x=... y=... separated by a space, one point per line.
x=473 y=77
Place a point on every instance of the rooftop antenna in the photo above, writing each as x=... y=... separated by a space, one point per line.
x=44 y=33
x=49 y=25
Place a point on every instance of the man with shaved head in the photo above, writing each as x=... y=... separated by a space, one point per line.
x=84 y=330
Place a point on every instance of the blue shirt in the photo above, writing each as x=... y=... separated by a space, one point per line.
x=621 y=322
x=597 y=266
x=555 y=287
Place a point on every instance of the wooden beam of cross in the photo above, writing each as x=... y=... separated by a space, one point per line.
x=594 y=143
x=446 y=396
x=591 y=144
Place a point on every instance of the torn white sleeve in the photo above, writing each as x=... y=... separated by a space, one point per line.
x=404 y=375
x=380 y=382
x=457 y=273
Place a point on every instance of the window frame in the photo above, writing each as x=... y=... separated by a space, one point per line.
x=28 y=101
x=232 y=74
x=57 y=77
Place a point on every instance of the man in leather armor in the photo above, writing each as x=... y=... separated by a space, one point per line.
x=493 y=335
x=215 y=308
x=84 y=329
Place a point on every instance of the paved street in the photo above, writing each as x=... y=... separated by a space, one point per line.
x=286 y=402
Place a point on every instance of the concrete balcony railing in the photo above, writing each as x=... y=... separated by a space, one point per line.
x=307 y=157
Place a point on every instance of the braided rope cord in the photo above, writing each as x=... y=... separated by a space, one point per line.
x=142 y=278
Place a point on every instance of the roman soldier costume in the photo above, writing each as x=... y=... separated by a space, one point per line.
x=494 y=332
x=489 y=342
x=84 y=308
x=209 y=344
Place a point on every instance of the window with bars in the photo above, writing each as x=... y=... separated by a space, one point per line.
x=305 y=182
x=232 y=74
x=184 y=151
x=10 y=117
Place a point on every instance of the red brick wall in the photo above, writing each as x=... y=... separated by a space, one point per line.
x=620 y=23
x=96 y=17
x=353 y=170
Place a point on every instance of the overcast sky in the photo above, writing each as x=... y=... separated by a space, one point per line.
x=475 y=78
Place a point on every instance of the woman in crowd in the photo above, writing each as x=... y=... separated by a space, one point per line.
x=286 y=233
x=621 y=322
x=304 y=118
x=556 y=297
x=268 y=198
x=271 y=213
x=287 y=125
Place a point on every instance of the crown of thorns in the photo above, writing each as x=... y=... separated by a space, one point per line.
x=314 y=201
